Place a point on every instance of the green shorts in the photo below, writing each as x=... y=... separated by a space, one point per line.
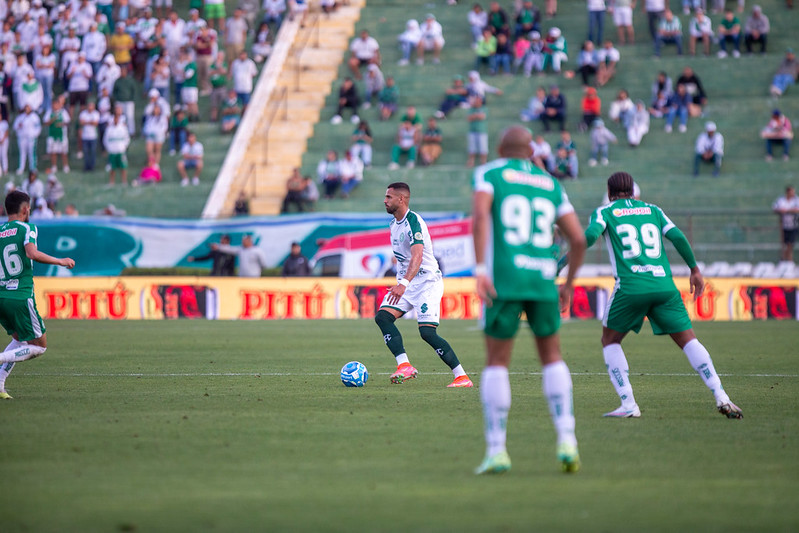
x=214 y=11
x=117 y=161
x=21 y=318
x=666 y=312
x=502 y=318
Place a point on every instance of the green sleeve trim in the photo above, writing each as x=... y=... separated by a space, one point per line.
x=417 y=237
x=592 y=233
x=682 y=245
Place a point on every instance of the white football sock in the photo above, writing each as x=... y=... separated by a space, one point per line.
x=619 y=372
x=401 y=358
x=459 y=371
x=557 y=385
x=495 y=395
x=21 y=353
x=700 y=360
x=5 y=369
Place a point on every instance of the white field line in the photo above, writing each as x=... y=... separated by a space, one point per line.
x=309 y=374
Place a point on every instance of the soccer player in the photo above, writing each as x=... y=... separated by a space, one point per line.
x=419 y=286
x=516 y=206
x=634 y=232
x=18 y=314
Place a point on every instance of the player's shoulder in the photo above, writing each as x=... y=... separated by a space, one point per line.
x=482 y=170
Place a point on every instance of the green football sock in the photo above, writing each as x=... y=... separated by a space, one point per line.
x=442 y=347
x=391 y=335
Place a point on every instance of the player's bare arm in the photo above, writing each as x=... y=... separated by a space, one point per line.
x=683 y=247
x=414 y=264
x=40 y=257
x=570 y=227
x=481 y=217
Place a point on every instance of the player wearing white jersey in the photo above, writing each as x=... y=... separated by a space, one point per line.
x=419 y=286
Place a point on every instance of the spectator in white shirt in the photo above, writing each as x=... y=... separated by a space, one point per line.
x=274 y=10
x=700 y=29
x=33 y=186
x=409 y=40
x=175 y=33
x=89 y=119
x=94 y=45
x=107 y=74
x=252 y=260
x=192 y=159
x=542 y=153
x=31 y=93
x=478 y=19
x=709 y=149
x=235 y=35
x=116 y=140
x=44 y=66
x=28 y=127
x=432 y=40
x=364 y=50
x=243 y=71
x=79 y=75
x=156 y=124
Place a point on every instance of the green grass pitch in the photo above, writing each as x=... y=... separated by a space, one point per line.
x=245 y=426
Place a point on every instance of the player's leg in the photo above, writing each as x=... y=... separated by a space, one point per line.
x=385 y=319
x=22 y=318
x=496 y=399
x=501 y=324
x=429 y=333
x=556 y=380
x=619 y=373
x=672 y=318
x=700 y=360
x=622 y=315
x=426 y=299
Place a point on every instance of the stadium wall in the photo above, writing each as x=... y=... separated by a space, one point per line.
x=209 y=298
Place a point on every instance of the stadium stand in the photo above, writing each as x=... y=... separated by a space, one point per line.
x=727 y=217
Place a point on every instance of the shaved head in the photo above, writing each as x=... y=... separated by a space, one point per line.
x=515 y=143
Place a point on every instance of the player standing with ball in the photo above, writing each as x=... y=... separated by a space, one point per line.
x=516 y=206
x=419 y=286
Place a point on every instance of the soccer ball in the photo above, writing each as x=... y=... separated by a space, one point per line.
x=354 y=374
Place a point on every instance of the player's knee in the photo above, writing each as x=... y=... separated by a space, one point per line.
x=428 y=333
x=384 y=318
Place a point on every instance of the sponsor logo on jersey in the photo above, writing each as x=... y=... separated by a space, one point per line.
x=547 y=267
x=657 y=270
x=627 y=211
x=10 y=232
x=10 y=285
x=541 y=182
x=418 y=236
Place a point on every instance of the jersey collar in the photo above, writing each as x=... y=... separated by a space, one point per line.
x=400 y=221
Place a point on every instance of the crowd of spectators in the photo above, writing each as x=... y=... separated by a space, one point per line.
x=84 y=79
x=525 y=41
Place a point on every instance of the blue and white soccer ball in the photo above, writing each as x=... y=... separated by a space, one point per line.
x=354 y=374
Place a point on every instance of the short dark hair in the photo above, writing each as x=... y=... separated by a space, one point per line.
x=15 y=200
x=400 y=186
x=620 y=184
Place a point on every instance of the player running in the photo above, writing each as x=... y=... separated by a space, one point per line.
x=18 y=314
x=516 y=206
x=419 y=286
x=634 y=232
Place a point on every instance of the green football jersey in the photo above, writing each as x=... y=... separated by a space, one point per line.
x=16 y=269
x=527 y=203
x=634 y=232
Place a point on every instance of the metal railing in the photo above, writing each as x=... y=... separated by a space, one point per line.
x=311 y=27
x=280 y=100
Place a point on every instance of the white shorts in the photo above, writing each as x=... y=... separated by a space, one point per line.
x=477 y=143
x=57 y=147
x=189 y=95
x=432 y=44
x=424 y=296
x=623 y=16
